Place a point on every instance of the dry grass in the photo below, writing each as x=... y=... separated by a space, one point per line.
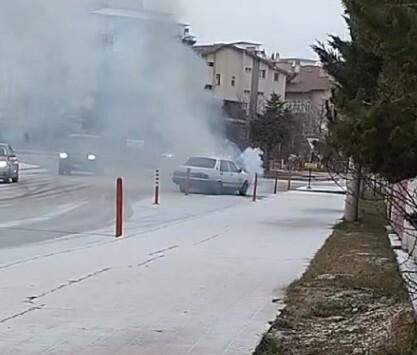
x=351 y=300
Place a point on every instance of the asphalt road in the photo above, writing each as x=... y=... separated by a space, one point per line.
x=45 y=206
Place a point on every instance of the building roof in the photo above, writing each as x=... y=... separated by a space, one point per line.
x=309 y=78
x=205 y=50
x=300 y=60
x=133 y=14
x=248 y=42
x=209 y=48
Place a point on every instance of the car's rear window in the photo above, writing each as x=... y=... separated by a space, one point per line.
x=201 y=163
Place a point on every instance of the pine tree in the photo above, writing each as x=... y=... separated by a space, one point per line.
x=275 y=129
x=376 y=93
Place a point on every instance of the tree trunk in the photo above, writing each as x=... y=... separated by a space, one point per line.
x=353 y=196
x=268 y=158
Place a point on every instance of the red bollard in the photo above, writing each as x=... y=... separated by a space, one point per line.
x=119 y=207
x=188 y=182
x=276 y=184
x=255 y=188
x=157 y=184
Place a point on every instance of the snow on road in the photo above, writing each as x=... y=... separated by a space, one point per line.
x=27 y=166
x=196 y=275
x=56 y=212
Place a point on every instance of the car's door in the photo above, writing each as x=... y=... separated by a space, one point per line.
x=236 y=175
x=12 y=153
x=225 y=174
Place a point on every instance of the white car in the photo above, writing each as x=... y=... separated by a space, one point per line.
x=213 y=175
x=9 y=165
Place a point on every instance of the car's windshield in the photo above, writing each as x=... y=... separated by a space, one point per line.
x=82 y=144
x=3 y=151
x=201 y=163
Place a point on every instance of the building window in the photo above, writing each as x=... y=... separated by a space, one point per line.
x=208 y=87
x=233 y=81
x=262 y=74
x=248 y=70
x=276 y=76
x=218 y=79
x=210 y=64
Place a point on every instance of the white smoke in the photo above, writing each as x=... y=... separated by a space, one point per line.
x=86 y=65
x=251 y=160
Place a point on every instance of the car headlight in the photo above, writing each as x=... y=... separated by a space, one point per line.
x=63 y=156
x=3 y=164
x=91 y=157
x=168 y=155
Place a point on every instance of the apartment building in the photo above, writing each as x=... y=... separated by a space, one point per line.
x=243 y=77
x=240 y=72
x=307 y=92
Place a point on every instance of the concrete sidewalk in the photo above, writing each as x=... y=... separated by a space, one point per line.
x=200 y=286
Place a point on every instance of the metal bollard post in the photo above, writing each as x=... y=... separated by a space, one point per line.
x=309 y=178
x=289 y=182
x=255 y=188
x=119 y=207
x=276 y=184
x=188 y=182
x=157 y=185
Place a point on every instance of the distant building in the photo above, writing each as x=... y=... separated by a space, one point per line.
x=243 y=77
x=121 y=29
x=307 y=92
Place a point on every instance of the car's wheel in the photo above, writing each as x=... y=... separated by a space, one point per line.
x=218 y=188
x=244 y=189
x=15 y=179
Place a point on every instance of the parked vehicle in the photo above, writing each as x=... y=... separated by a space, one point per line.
x=212 y=175
x=9 y=164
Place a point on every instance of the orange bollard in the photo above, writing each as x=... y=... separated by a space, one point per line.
x=119 y=207
x=157 y=184
x=255 y=188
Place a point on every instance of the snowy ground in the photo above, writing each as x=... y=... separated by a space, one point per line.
x=196 y=275
x=330 y=186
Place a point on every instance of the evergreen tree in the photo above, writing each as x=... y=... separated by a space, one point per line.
x=376 y=93
x=275 y=129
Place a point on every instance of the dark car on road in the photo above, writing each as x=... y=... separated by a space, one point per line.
x=9 y=165
x=80 y=153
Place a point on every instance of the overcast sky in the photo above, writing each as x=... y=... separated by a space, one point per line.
x=288 y=27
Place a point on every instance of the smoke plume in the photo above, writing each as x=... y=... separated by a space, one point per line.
x=102 y=67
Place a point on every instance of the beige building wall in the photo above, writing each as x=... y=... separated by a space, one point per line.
x=235 y=69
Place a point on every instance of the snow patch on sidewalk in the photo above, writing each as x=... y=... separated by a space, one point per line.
x=187 y=280
x=327 y=186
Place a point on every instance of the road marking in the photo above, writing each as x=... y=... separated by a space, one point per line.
x=64 y=209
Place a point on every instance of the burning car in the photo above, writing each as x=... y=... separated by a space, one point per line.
x=211 y=174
